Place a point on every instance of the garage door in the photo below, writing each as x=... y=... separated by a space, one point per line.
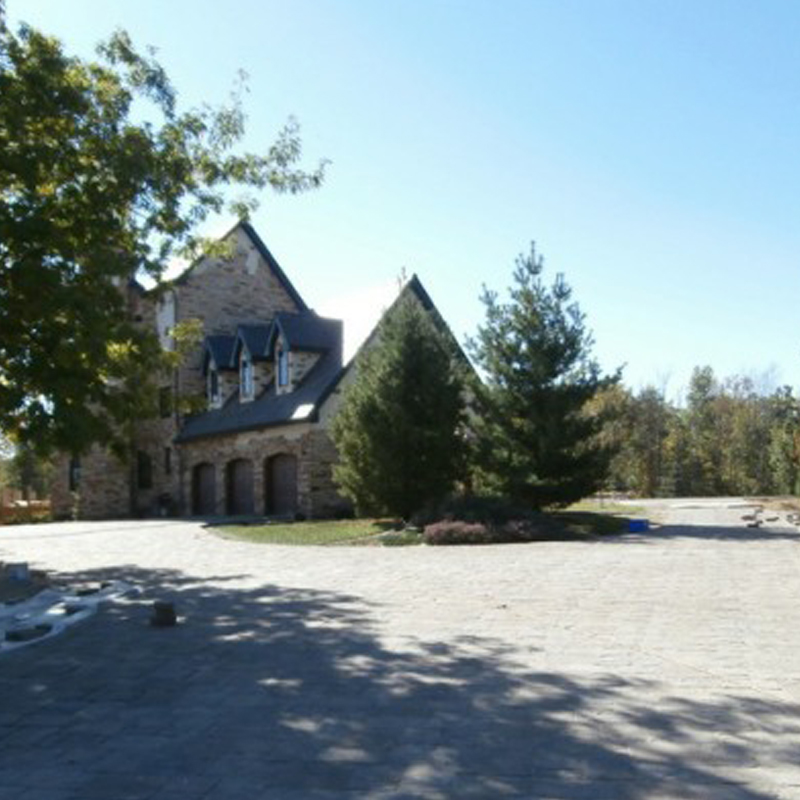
x=204 y=490
x=240 y=487
x=281 y=472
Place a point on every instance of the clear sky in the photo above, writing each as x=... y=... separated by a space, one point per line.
x=650 y=149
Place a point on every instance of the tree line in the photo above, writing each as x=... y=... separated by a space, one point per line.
x=731 y=436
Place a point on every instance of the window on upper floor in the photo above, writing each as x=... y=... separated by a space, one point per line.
x=246 y=375
x=283 y=367
x=213 y=386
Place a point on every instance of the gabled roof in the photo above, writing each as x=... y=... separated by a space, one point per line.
x=307 y=331
x=303 y=404
x=413 y=286
x=256 y=338
x=268 y=409
x=265 y=254
x=221 y=349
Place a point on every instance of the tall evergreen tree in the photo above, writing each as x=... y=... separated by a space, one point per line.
x=399 y=432
x=536 y=443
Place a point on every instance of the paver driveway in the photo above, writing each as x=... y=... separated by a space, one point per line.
x=664 y=665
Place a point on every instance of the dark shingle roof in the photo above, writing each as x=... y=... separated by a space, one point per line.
x=309 y=331
x=221 y=348
x=268 y=409
x=256 y=337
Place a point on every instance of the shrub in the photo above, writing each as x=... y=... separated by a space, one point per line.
x=495 y=511
x=457 y=532
x=536 y=527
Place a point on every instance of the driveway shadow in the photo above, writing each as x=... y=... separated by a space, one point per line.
x=733 y=533
x=285 y=692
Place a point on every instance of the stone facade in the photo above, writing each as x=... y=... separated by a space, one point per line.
x=109 y=479
x=310 y=446
x=225 y=293
x=245 y=288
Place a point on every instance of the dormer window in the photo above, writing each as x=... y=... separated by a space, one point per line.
x=246 y=375
x=213 y=386
x=283 y=367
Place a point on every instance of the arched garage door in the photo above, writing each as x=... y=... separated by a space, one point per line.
x=240 y=487
x=204 y=490
x=281 y=484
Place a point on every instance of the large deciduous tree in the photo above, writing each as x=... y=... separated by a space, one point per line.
x=400 y=429
x=537 y=441
x=102 y=178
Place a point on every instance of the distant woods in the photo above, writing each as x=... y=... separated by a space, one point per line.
x=730 y=437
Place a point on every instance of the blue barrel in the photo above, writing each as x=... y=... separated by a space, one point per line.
x=638 y=525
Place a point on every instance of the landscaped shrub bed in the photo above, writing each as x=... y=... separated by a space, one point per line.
x=457 y=531
x=490 y=520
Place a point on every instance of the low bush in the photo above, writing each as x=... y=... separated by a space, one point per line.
x=457 y=532
x=535 y=528
x=494 y=511
x=464 y=532
x=25 y=516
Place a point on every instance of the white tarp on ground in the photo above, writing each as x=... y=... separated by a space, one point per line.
x=51 y=611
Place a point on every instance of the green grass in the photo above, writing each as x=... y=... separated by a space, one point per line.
x=593 y=517
x=587 y=518
x=589 y=523
x=325 y=532
x=606 y=507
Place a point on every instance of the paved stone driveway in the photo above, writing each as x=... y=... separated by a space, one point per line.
x=650 y=666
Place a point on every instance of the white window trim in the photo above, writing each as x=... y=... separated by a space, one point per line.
x=246 y=377
x=282 y=359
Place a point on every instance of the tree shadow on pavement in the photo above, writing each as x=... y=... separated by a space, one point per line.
x=281 y=692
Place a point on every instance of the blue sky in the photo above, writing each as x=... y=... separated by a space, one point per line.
x=650 y=149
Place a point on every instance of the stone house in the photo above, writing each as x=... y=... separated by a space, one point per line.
x=271 y=371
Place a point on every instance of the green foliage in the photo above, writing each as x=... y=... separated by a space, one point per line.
x=537 y=437
x=399 y=432
x=91 y=194
x=731 y=438
x=29 y=471
x=637 y=431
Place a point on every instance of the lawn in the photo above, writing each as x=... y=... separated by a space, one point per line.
x=324 y=532
x=598 y=517
x=584 y=519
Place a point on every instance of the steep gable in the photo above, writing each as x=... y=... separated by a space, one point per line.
x=247 y=288
x=328 y=403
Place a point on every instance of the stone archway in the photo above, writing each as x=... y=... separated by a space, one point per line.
x=280 y=484
x=204 y=490
x=239 y=485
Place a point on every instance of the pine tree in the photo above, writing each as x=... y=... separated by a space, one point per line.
x=399 y=432
x=536 y=442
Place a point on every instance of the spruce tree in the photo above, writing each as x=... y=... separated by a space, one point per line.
x=537 y=442
x=399 y=431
